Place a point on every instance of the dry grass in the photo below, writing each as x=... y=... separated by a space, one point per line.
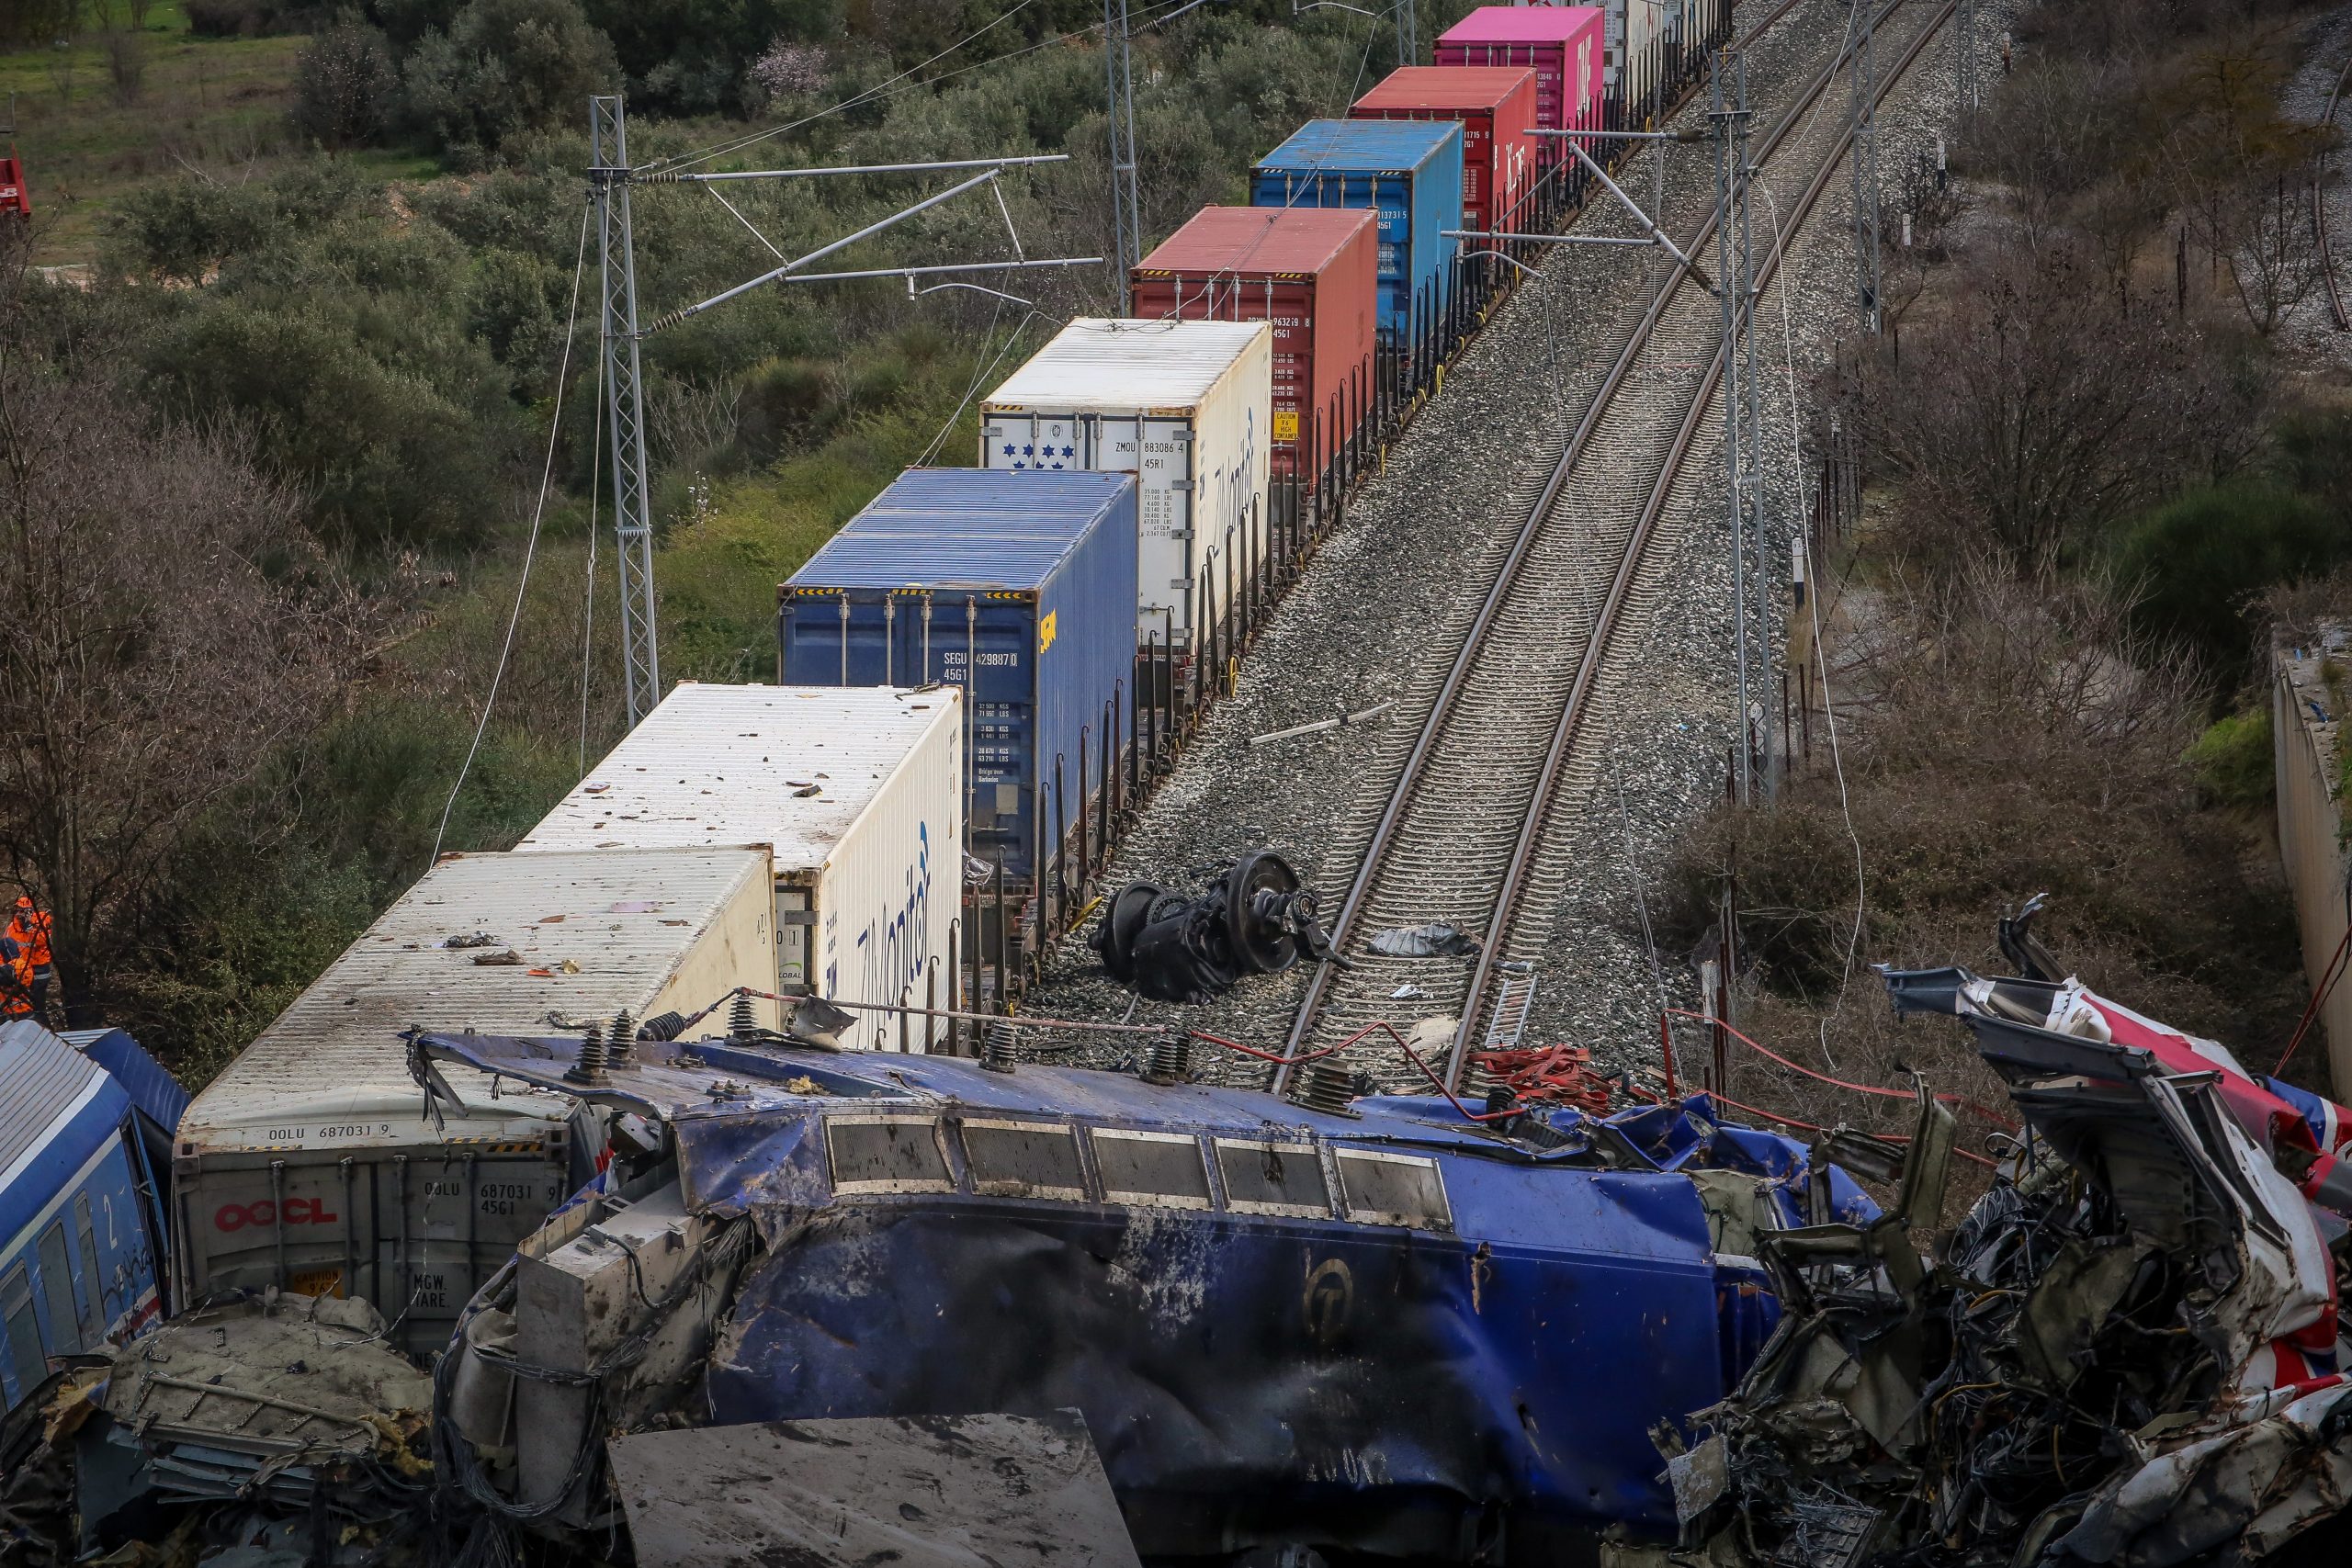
x=213 y=105
x=2005 y=737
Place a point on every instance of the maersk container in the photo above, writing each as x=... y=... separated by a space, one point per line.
x=1011 y=587
x=1312 y=274
x=1495 y=108
x=310 y=1165
x=1409 y=173
x=1184 y=406
x=855 y=795
x=1566 y=46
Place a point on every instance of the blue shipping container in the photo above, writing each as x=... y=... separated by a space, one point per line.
x=1027 y=579
x=1409 y=172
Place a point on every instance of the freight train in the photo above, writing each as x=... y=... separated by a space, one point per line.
x=976 y=681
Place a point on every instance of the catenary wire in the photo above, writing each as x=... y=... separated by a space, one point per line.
x=530 y=548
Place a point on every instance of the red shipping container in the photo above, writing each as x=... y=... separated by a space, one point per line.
x=1313 y=272
x=1562 y=45
x=1496 y=107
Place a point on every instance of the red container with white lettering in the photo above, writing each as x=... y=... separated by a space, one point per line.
x=1496 y=107
x=1313 y=272
x=1562 y=44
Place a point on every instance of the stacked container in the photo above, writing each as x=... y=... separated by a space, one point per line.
x=1015 y=588
x=1182 y=405
x=1564 y=45
x=1409 y=174
x=311 y=1163
x=855 y=794
x=1495 y=108
x=1312 y=274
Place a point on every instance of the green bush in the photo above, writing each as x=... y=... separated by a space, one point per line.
x=180 y=229
x=2199 y=562
x=506 y=67
x=2232 y=760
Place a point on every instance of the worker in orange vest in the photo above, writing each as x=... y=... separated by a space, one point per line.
x=15 y=978
x=29 y=929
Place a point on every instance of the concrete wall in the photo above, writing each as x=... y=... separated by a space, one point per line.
x=2311 y=838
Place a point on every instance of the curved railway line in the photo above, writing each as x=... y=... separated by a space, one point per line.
x=1458 y=835
x=2318 y=210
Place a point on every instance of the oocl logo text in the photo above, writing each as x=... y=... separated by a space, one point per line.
x=298 y=1212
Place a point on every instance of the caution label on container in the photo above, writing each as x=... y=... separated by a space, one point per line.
x=1285 y=425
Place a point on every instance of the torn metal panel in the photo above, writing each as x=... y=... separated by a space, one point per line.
x=940 y=1492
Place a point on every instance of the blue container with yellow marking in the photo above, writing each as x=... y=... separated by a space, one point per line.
x=1018 y=587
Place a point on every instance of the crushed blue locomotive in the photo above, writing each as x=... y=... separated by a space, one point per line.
x=85 y=1126
x=1377 y=1327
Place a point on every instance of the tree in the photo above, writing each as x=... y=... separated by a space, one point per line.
x=344 y=83
x=163 y=630
x=2038 y=410
x=504 y=67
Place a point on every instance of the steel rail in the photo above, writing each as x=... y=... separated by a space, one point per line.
x=1629 y=566
x=2319 y=208
x=1376 y=851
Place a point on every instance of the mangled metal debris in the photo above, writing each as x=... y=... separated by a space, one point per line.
x=290 y=1402
x=2125 y=1354
x=1379 y=1326
x=1253 y=919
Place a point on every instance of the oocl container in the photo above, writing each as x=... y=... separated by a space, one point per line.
x=1311 y=274
x=1409 y=173
x=1494 y=105
x=1183 y=406
x=1012 y=587
x=310 y=1163
x=1564 y=45
x=855 y=795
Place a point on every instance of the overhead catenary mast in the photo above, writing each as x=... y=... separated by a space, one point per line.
x=610 y=177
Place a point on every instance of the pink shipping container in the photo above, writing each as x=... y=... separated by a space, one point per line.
x=1496 y=107
x=1313 y=272
x=1562 y=44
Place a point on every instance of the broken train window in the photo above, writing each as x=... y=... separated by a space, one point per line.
x=1273 y=1178
x=1024 y=1159
x=886 y=1154
x=1154 y=1169
x=1394 y=1189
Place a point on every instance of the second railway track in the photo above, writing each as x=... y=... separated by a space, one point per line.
x=1456 y=837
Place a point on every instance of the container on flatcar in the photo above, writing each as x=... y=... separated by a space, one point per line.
x=1562 y=44
x=82 y=1233
x=1407 y=172
x=310 y=1165
x=1182 y=405
x=1495 y=108
x=1013 y=589
x=1312 y=274
x=856 y=796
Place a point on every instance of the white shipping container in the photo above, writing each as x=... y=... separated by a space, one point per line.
x=1643 y=26
x=1187 y=406
x=856 y=794
x=311 y=1163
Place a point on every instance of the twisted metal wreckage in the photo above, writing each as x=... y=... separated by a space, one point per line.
x=831 y=1308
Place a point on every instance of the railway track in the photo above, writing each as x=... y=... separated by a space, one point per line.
x=2319 y=210
x=1456 y=837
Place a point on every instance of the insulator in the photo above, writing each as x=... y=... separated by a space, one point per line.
x=622 y=1040
x=998 y=1055
x=1169 y=1060
x=742 y=1022
x=1327 y=1088
x=589 y=1067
